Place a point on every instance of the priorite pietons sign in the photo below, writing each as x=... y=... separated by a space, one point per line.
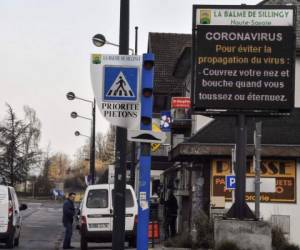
x=243 y=58
x=116 y=84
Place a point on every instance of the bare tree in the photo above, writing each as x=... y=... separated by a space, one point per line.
x=109 y=145
x=59 y=166
x=19 y=150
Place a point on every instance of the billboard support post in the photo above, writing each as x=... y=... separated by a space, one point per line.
x=240 y=208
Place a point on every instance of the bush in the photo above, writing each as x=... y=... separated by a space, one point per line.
x=278 y=239
x=228 y=245
x=181 y=240
x=289 y=247
x=205 y=230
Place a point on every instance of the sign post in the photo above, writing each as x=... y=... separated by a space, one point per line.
x=118 y=236
x=257 y=146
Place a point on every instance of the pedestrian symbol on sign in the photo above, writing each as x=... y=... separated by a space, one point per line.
x=120 y=83
x=120 y=87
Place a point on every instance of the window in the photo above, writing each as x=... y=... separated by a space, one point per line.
x=128 y=198
x=97 y=198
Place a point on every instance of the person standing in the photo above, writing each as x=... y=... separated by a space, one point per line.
x=171 y=207
x=68 y=215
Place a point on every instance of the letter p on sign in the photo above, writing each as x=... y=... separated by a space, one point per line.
x=230 y=182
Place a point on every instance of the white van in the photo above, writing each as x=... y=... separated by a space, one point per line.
x=96 y=215
x=10 y=217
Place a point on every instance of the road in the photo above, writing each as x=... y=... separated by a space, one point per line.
x=42 y=228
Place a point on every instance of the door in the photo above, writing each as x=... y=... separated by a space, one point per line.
x=16 y=211
x=3 y=209
x=98 y=210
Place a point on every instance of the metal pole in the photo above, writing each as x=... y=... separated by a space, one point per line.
x=118 y=236
x=92 y=153
x=136 y=40
x=133 y=144
x=257 y=144
x=241 y=167
x=133 y=162
x=233 y=166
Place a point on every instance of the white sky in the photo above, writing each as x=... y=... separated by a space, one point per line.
x=45 y=46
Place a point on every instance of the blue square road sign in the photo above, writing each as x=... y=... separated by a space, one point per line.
x=120 y=83
x=230 y=182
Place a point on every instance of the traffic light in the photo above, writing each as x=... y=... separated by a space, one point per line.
x=147 y=91
x=145 y=151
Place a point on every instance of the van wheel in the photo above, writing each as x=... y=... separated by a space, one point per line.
x=10 y=243
x=17 y=240
x=83 y=243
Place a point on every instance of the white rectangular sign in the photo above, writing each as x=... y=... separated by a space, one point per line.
x=245 y=17
x=146 y=136
x=267 y=185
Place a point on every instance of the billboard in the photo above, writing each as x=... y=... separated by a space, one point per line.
x=243 y=58
x=284 y=172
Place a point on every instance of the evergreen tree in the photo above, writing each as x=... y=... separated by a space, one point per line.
x=19 y=150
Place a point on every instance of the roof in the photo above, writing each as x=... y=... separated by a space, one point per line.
x=167 y=48
x=221 y=130
x=280 y=137
x=288 y=2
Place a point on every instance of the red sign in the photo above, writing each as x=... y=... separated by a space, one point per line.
x=181 y=102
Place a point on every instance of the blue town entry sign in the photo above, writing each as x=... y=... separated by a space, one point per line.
x=120 y=83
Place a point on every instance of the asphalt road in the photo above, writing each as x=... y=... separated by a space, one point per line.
x=42 y=228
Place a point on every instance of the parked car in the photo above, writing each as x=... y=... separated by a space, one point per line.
x=10 y=217
x=96 y=215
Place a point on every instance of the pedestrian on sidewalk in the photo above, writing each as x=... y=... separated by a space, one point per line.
x=171 y=208
x=68 y=215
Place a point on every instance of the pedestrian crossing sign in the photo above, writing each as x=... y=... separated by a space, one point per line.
x=120 y=83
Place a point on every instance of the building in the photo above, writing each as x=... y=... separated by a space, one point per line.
x=201 y=147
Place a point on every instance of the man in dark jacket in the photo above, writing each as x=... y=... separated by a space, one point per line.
x=68 y=214
x=171 y=207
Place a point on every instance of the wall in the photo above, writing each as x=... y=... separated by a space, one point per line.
x=297 y=83
x=268 y=209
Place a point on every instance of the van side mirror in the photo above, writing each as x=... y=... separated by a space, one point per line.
x=23 y=207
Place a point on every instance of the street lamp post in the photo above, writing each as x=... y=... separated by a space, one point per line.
x=71 y=96
x=118 y=236
x=77 y=133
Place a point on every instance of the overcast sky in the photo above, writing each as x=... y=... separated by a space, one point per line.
x=45 y=46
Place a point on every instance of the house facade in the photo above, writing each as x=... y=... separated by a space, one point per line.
x=201 y=147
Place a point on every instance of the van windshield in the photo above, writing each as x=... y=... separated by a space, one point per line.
x=128 y=198
x=97 y=198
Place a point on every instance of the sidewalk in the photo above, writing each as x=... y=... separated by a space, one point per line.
x=103 y=246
